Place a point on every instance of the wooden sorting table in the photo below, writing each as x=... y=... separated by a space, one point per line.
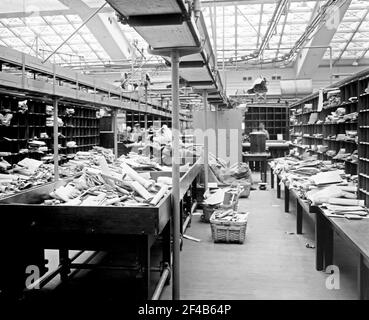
x=272 y=178
x=276 y=149
x=355 y=232
x=258 y=157
x=29 y=228
x=303 y=207
x=187 y=192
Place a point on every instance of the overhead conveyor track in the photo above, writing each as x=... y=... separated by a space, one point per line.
x=170 y=24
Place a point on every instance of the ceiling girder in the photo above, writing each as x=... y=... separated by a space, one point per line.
x=105 y=29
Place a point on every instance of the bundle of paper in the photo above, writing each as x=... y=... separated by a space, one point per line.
x=19 y=179
x=214 y=199
x=337 y=209
x=323 y=195
x=98 y=188
x=306 y=171
x=328 y=177
x=346 y=202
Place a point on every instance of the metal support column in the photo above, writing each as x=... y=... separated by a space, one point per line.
x=216 y=132
x=175 y=176
x=56 y=140
x=206 y=140
x=115 y=133
x=175 y=54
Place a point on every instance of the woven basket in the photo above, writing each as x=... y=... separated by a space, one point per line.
x=208 y=210
x=228 y=231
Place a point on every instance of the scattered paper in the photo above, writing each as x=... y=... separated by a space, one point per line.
x=31 y=164
x=327 y=177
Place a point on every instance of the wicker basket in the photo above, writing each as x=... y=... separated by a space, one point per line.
x=208 y=210
x=229 y=231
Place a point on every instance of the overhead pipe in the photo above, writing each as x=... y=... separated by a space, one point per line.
x=272 y=26
x=299 y=43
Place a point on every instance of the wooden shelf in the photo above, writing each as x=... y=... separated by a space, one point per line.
x=348 y=89
x=275 y=119
x=82 y=128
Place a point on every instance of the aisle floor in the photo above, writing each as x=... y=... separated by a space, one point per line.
x=274 y=262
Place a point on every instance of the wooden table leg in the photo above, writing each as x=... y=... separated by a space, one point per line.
x=324 y=242
x=271 y=178
x=299 y=217
x=278 y=187
x=363 y=278
x=265 y=169
x=188 y=204
x=64 y=262
x=328 y=250
x=145 y=265
x=286 y=199
x=167 y=247
x=261 y=164
x=319 y=242
x=181 y=222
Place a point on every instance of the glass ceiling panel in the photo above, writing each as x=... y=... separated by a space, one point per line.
x=12 y=22
x=351 y=39
x=252 y=23
x=64 y=29
x=361 y=36
x=74 y=19
x=10 y=6
x=243 y=29
x=21 y=33
x=94 y=3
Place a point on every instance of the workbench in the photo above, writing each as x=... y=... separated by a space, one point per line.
x=355 y=232
x=277 y=149
x=258 y=157
x=303 y=207
x=31 y=228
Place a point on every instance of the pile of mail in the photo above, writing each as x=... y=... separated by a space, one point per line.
x=109 y=185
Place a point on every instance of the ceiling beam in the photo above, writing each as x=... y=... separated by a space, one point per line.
x=207 y=3
x=309 y=59
x=43 y=13
x=105 y=28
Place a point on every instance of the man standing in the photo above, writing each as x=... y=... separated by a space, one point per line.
x=262 y=129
